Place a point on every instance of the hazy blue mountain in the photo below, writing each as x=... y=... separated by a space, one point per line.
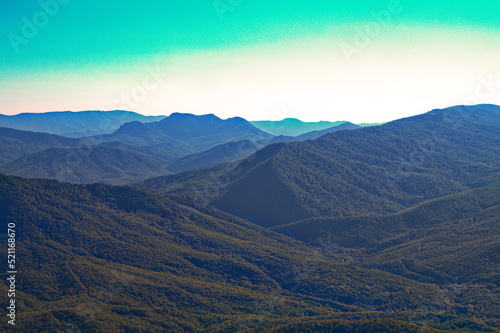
x=16 y=143
x=369 y=124
x=102 y=258
x=194 y=141
x=110 y=163
x=316 y=134
x=227 y=152
x=292 y=126
x=196 y=133
x=82 y=160
x=146 y=135
x=234 y=151
x=144 y=151
x=310 y=135
x=74 y=124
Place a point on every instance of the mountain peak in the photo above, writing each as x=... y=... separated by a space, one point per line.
x=180 y=115
x=237 y=120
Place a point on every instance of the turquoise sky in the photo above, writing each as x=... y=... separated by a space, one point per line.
x=352 y=60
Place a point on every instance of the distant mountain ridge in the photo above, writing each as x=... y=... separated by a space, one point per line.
x=134 y=152
x=293 y=126
x=316 y=134
x=74 y=124
x=199 y=132
x=95 y=122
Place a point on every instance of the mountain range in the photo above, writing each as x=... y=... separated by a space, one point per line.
x=380 y=169
x=136 y=150
x=224 y=227
x=196 y=132
x=74 y=124
x=293 y=127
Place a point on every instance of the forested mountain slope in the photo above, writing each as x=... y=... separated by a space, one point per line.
x=443 y=238
x=103 y=258
x=380 y=169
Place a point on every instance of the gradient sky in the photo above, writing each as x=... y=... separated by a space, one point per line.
x=362 y=61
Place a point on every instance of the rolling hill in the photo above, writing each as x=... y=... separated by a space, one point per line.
x=234 y=151
x=455 y=236
x=101 y=258
x=111 y=163
x=16 y=143
x=227 y=152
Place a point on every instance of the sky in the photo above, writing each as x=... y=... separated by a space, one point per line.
x=361 y=61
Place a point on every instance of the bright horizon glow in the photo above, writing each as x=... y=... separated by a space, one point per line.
x=287 y=68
